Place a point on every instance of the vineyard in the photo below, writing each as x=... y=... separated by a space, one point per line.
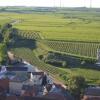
x=29 y=34
x=83 y=49
x=30 y=56
x=43 y=46
x=76 y=48
x=92 y=76
x=25 y=49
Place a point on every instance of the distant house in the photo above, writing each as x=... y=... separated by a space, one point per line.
x=92 y=93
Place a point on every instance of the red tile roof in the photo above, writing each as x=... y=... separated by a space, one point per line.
x=91 y=98
x=25 y=98
x=92 y=93
x=56 y=96
x=4 y=83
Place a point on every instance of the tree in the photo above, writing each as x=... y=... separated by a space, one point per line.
x=6 y=26
x=7 y=33
x=6 y=37
x=76 y=85
x=3 y=53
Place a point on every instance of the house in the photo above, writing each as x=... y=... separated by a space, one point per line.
x=30 y=67
x=57 y=92
x=28 y=90
x=18 y=81
x=15 y=84
x=13 y=79
x=17 y=69
x=92 y=93
x=23 y=81
x=35 y=77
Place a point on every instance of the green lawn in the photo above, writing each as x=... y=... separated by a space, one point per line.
x=92 y=76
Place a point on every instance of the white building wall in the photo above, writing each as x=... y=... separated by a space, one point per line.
x=15 y=87
x=35 y=79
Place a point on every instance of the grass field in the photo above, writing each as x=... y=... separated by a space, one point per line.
x=4 y=19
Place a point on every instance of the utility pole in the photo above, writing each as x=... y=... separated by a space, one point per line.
x=90 y=3
x=84 y=3
x=60 y=3
x=54 y=3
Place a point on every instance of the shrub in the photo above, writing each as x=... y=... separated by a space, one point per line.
x=76 y=85
x=64 y=64
x=40 y=57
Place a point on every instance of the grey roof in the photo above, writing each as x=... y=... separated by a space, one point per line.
x=93 y=91
x=27 y=87
x=20 y=77
x=17 y=68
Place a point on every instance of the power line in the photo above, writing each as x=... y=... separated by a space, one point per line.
x=84 y=3
x=60 y=3
x=54 y=3
x=90 y=3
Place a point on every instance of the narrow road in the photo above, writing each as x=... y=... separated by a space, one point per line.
x=15 y=22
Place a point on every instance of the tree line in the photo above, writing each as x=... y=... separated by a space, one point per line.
x=6 y=37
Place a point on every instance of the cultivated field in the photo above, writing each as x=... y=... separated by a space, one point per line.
x=63 y=26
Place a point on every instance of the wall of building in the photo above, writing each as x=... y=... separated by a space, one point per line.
x=4 y=83
x=15 y=87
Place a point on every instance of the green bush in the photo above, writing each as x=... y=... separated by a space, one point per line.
x=40 y=57
x=3 y=53
x=64 y=64
x=76 y=85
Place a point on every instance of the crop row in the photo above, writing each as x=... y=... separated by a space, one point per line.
x=29 y=34
x=77 y=48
